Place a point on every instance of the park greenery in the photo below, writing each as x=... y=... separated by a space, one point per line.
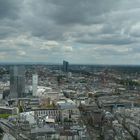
x=4 y=116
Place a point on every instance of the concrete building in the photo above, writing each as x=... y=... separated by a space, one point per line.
x=68 y=109
x=8 y=110
x=35 y=84
x=17 y=81
x=50 y=113
x=1 y=94
x=130 y=118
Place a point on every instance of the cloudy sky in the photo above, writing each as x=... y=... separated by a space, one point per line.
x=79 y=31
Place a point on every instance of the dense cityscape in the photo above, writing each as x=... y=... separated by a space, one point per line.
x=69 y=69
x=69 y=102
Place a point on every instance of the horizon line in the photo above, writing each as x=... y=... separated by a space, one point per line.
x=53 y=63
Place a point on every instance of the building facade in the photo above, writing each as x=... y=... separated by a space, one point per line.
x=65 y=66
x=17 y=81
x=51 y=113
x=35 y=84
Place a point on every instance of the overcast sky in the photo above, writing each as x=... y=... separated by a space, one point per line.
x=79 y=31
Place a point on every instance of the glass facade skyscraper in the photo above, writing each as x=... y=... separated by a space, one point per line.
x=65 y=66
x=17 y=81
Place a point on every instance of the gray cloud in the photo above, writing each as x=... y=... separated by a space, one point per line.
x=74 y=26
x=9 y=9
x=81 y=11
x=107 y=39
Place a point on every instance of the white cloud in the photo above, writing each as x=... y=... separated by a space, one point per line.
x=21 y=53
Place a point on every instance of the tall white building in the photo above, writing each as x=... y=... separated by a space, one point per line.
x=35 y=84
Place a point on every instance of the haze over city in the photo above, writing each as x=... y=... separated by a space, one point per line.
x=82 y=32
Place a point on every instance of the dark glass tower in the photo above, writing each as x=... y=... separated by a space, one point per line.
x=17 y=81
x=65 y=66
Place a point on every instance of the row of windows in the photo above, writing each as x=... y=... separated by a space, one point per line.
x=6 y=111
x=71 y=111
x=48 y=112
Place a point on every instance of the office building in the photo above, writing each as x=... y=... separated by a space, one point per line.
x=35 y=84
x=65 y=66
x=17 y=81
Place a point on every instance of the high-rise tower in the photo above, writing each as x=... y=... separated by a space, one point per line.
x=65 y=66
x=35 y=84
x=17 y=81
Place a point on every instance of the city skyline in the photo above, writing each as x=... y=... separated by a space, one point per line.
x=83 y=102
x=81 y=32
